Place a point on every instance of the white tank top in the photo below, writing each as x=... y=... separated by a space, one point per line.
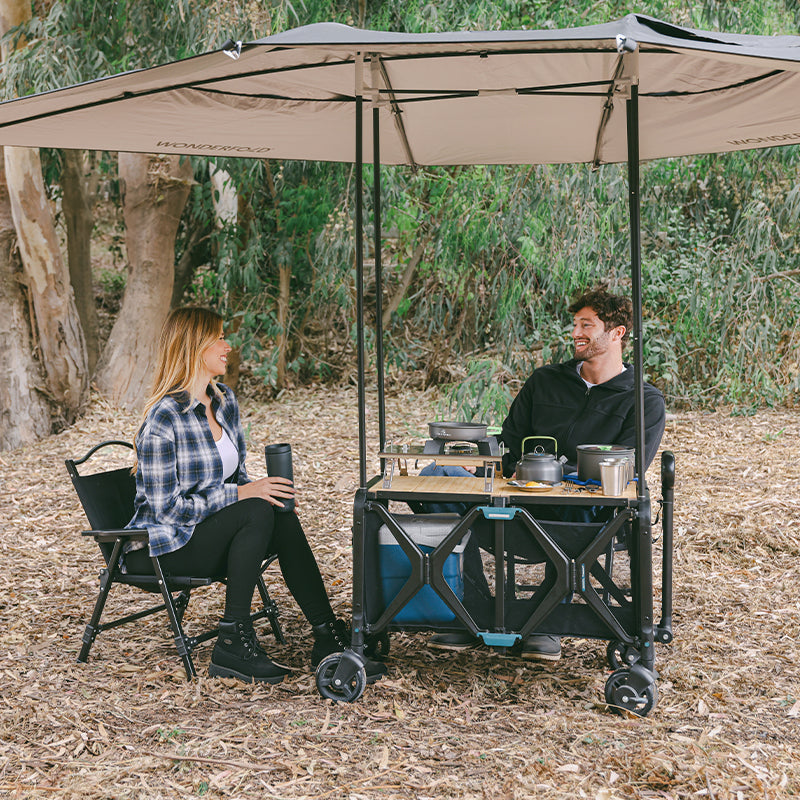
x=229 y=455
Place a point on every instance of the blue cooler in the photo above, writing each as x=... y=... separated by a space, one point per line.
x=427 y=532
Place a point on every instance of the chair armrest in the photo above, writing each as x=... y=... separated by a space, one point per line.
x=131 y=534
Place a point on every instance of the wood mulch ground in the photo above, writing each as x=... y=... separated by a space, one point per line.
x=470 y=725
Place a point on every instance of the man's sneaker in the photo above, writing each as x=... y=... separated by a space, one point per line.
x=542 y=648
x=460 y=640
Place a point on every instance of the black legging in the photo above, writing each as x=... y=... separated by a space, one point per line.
x=233 y=543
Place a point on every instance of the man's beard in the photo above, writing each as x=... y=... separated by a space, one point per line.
x=594 y=347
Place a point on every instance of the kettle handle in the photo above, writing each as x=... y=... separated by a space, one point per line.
x=551 y=438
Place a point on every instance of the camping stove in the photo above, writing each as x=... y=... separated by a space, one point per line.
x=488 y=446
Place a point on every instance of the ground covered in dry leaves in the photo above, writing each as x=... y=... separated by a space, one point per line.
x=470 y=725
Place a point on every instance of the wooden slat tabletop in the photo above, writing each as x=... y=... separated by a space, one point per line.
x=436 y=484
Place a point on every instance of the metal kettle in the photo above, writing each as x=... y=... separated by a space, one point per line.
x=539 y=465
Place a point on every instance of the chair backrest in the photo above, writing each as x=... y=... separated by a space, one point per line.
x=107 y=497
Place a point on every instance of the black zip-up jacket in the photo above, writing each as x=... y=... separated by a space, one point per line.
x=556 y=402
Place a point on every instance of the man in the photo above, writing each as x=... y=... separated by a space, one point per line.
x=586 y=400
x=590 y=398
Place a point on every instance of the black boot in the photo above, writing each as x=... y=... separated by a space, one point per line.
x=333 y=636
x=237 y=654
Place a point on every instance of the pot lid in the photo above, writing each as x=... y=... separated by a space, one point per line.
x=604 y=448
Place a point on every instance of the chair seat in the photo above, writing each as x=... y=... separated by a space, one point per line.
x=150 y=583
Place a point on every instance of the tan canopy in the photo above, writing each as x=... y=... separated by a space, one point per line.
x=629 y=90
x=497 y=97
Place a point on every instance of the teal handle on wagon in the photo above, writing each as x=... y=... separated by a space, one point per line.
x=499 y=512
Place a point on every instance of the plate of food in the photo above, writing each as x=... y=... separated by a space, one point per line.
x=532 y=486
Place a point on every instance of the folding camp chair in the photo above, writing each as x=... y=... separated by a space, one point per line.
x=107 y=499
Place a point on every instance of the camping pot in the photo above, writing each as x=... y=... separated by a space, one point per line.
x=457 y=431
x=539 y=465
x=590 y=456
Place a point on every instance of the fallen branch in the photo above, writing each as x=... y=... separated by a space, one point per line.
x=783 y=274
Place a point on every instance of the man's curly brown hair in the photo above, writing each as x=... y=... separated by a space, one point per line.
x=613 y=309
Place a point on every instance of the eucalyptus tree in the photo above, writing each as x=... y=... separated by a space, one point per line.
x=73 y=42
x=24 y=410
x=59 y=336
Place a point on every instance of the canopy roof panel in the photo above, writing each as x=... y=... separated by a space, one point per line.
x=496 y=97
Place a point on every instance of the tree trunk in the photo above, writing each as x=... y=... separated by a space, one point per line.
x=61 y=347
x=155 y=189
x=198 y=247
x=284 y=283
x=80 y=187
x=405 y=282
x=24 y=410
x=195 y=254
x=60 y=338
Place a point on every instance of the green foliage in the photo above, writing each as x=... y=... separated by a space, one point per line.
x=483 y=395
x=498 y=251
x=113 y=283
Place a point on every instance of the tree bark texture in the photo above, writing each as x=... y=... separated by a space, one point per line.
x=284 y=285
x=155 y=190
x=60 y=342
x=408 y=275
x=24 y=410
x=12 y=13
x=60 y=338
x=79 y=184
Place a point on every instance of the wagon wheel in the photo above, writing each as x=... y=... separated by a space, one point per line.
x=621 y=694
x=377 y=645
x=345 y=689
x=619 y=655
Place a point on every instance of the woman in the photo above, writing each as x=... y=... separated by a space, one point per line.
x=204 y=516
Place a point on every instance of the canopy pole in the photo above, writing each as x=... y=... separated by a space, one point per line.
x=632 y=109
x=376 y=206
x=359 y=224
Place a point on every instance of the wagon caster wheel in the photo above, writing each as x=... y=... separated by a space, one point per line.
x=377 y=645
x=621 y=694
x=617 y=655
x=348 y=686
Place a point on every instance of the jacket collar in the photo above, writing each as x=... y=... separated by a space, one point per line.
x=619 y=383
x=187 y=403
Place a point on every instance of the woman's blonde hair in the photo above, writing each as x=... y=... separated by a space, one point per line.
x=187 y=333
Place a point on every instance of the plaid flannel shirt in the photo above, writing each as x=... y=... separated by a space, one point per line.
x=179 y=475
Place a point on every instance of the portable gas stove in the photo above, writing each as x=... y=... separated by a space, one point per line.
x=484 y=453
x=488 y=446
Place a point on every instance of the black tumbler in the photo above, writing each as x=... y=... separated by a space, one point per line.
x=279 y=465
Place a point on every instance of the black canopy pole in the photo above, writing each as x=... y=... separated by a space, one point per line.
x=376 y=210
x=632 y=108
x=362 y=404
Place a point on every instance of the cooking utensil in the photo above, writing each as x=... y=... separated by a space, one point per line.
x=457 y=431
x=539 y=465
x=590 y=456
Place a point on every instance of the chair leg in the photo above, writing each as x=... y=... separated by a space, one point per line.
x=181 y=603
x=181 y=640
x=271 y=610
x=93 y=628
